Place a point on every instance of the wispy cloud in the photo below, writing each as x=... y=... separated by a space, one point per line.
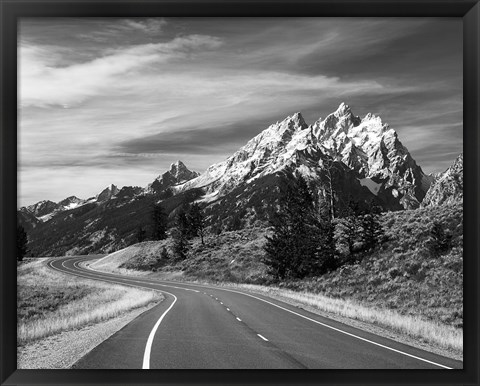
x=43 y=82
x=118 y=100
x=123 y=27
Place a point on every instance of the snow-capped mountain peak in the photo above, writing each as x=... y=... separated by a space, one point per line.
x=335 y=124
x=368 y=147
x=177 y=174
x=181 y=172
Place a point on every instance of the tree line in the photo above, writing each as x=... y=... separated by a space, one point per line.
x=188 y=222
x=310 y=238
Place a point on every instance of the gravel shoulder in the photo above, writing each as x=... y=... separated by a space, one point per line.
x=62 y=350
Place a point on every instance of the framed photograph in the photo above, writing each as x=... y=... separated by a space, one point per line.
x=257 y=192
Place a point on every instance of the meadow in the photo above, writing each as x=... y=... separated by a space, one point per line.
x=50 y=302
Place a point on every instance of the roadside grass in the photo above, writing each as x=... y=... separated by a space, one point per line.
x=428 y=331
x=50 y=302
x=402 y=286
x=403 y=274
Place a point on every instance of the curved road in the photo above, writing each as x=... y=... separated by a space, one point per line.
x=209 y=327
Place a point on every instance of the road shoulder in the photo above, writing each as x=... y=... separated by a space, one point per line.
x=62 y=350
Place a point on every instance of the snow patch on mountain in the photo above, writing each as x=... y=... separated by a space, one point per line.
x=372 y=149
x=366 y=146
x=266 y=153
x=371 y=185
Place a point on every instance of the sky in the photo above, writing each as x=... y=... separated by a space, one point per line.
x=116 y=101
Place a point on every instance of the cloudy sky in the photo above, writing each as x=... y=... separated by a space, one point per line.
x=117 y=101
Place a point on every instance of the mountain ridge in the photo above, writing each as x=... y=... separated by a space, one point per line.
x=363 y=157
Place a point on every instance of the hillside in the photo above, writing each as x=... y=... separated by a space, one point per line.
x=403 y=273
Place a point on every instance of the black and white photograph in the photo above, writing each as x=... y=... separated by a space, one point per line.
x=240 y=193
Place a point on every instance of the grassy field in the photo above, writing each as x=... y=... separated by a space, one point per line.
x=50 y=302
x=402 y=285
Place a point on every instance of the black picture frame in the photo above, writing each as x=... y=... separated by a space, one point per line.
x=11 y=10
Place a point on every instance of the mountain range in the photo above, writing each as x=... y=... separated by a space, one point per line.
x=345 y=156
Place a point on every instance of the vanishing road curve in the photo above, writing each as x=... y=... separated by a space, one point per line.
x=209 y=327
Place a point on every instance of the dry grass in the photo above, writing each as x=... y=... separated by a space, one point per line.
x=402 y=286
x=434 y=333
x=50 y=302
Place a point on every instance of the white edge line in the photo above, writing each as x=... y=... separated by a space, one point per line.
x=334 y=328
x=341 y=331
x=265 y=339
x=322 y=324
x=148 y=347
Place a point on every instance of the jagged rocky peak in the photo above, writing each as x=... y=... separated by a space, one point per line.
x=336 y=123
x=70 y=200
x=447 y=186
x=367 y=146
x=177 y=174
x=181 y=172
x=281 y=132
x=108 y=193
x=296 y=121
x=41 y=208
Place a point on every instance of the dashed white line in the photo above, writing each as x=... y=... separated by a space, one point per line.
x=239 y=319
x=334 y=328
x=221 y=303
x=265 y=339
x=228 y=309
x=292 y=312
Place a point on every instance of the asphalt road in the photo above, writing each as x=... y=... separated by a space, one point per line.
x=209 y=327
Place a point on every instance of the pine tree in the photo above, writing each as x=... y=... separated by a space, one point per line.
x=180 y=236
x=21 y=242
x=141 y=235
x=302 y=243
x=196 y=221
x=441 y=241
x=372 y=231
x=159 y=218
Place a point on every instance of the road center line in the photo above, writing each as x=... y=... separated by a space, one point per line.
x=239 y=319
x=317 y=322
x=331 y=327
x=265 y=339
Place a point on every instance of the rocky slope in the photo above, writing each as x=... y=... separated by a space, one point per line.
x=343 y=157
x=367 y=147
x=447 y=187
x=372 y=149
x=102 y=223
x=177 y=174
